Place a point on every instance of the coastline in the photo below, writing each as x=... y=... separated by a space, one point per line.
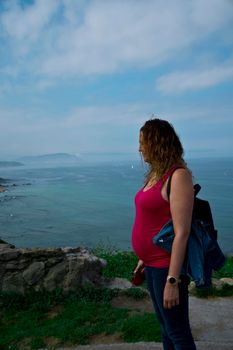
x=2 y=189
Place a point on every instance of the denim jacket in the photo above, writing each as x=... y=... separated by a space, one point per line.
x=203 y=253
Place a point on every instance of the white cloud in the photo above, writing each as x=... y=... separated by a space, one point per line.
x=109 y=128
x=99 y=37
x=115 y=115
x=118 y=34
x=26 y=23
x=195 y=79
x=34 y=119
x=85 y=128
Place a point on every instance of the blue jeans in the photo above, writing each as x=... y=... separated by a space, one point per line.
x=174 y=322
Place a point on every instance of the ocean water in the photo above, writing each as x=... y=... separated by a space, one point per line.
x=93 y=204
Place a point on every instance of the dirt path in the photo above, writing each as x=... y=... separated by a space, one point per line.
x=211 y=319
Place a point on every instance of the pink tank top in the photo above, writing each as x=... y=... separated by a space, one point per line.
x=152 y=212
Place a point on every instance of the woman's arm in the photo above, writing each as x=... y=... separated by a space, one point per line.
x=181 y=206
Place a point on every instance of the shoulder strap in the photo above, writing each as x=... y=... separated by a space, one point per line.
x=170 y=180
x=197 y=189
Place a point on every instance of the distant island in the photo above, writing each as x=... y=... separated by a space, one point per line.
x=48 y=158
x=4 y=163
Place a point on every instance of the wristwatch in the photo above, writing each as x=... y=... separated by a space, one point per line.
x=173 y=280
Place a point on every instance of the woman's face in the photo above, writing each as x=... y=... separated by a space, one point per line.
x=142 y=147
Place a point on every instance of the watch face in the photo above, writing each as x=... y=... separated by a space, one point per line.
x=172 y=280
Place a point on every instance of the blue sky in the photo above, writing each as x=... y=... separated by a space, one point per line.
x=83 y=76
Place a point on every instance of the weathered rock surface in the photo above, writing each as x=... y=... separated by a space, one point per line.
x=219 y=283
x=216 y=283
x=118 y=283
x=47 y=268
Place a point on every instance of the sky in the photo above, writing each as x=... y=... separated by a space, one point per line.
x=83 y=76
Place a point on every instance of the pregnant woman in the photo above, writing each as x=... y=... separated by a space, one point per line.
x=161 y=148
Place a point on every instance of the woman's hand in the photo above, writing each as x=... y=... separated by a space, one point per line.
x=170 y=296
x=139 y=266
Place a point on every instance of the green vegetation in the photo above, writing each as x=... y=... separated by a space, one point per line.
x=122 y=264
x=75 y=323
x=226 y=270
x=136 y=293
x=31 y=321
x=119 y=264
x=225 y=291
x=54 y=319
x=41 y=301
x=141 y=328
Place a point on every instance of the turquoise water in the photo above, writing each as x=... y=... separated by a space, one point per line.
x=91 y=204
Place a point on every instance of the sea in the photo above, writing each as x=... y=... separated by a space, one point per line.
x=91 y=204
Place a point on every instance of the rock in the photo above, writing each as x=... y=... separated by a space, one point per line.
x=45 y=253
x=192 y=286
x=227 y=280
x=53 y=261
x=34 y=273
x=13 y=283
x=73 y=278
x=82 y=269
x=2 y=189
x=55 y=277
x=16 y=265
x=4 y=244
x=9 y=254
x=38 y=269
x=217 y=283
x=118 y=283
x=71 y=250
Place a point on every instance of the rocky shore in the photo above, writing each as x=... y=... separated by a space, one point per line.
x=6 y=184
x=2 y=188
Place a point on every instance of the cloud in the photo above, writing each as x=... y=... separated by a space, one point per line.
x=120 y=115
x=109 y=128
x=35 y=120
x=197 y=79
x=27 y=22
x=88 y=129
x=102 y=37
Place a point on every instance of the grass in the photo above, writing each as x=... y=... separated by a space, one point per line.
x=54 y=319
x=122 y=264
x=225 y=291
x=119 y=263
x=226 y=270
x=41 y=301
x=26 y=322
x=141 y=328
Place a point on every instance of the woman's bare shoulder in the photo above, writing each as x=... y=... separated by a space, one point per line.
x=182 y=175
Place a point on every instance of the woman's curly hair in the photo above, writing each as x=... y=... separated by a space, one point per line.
x=163 y=146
